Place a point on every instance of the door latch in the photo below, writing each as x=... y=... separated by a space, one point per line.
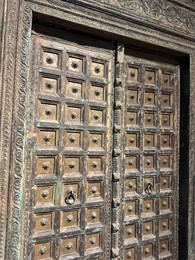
x=70 y=198
x=148 y=189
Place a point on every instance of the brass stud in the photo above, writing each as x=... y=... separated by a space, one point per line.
x=130 y=231
x=44 y=222
x=73 y=115
x=97 y=93
x=164 y=224
x=148 y=162
x=72 y=140
x=130 y=162
x=164 y=182
x=94 y=165
x=164 y=203
x=132 y=74
x=148 y=206
x=94 y=190
x=72 y=165
x=48 y=85
x=70 y=218
x=132 y=96
x=97 y=70
x=147 y=228
x=43 y=250
x=46 y=165
x=93 y=215
x=131 y=140
x=146 y=250
x=49 y=60
x=92 y=240
x=163 y=246
x=130 y=208
x=74 y=65
x=95 y=140
x=129 y=255
x=96 y=117
x=149 y=99
x=148 y=140
x=75 y=90
x=48 y=113
x=69 y=246
x=45 y=193
x=149 y=119
x=47 y=138
x=130 y=185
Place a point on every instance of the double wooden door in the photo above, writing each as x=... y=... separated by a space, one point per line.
x=104 y=161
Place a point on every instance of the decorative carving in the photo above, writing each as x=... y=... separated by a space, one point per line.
x=163 y=12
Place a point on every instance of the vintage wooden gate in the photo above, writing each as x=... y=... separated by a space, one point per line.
x=103 y=129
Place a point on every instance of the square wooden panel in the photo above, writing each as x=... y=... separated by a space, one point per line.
x=133 y=74
x=131 y=209
x=166 y=120
x=164 y=247
x=147 y=251
x=72 y=165
x=45 y=194
x=47 y=138
x=130 y=232
x=166 y=100
x=96 y=116
x=130 y=254
x=48 y=112
x=132 y=140
x=150 y=120
x=44 y=222
x=149 y=98
x=165 y=226
x=132 y=118
x=74 y=115
x=150 y=77
x=166 y=80
x=149 y=185
x=165 y=183
x=93 y=215
x=49 y=85
x=98 y=69
x=70 y=219
x=74 y=89
x=51 y=59
x=73 y=139
x=76 y=63
x=165 y=204
x=94 y=165
x=45 y=165
x=71 y=194
x=148 y=230
x=165 y=141
x=165 y=161
x=94 y=190
x=69 y=246
x=148 y=206
x=96 y=140
x=149 y=140
x=42 y=251
x=97 y=93
x=132 y=96
x=149 y=163
x=131 y=185
x=131 y=163
x=92 y=241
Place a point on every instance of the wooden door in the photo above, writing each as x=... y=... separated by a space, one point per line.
x=104 y=140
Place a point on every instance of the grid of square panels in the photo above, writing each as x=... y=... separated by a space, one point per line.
x=71 y=151
x=149 y=169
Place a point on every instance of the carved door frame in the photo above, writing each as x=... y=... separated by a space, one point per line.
x=175 y=34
